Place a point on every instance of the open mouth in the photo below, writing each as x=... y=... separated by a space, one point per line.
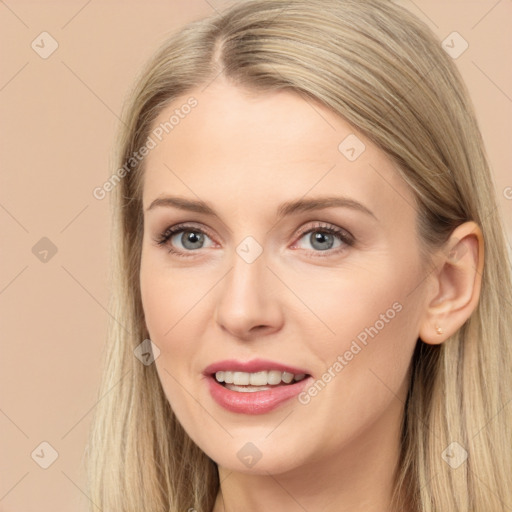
x=267 y=386
x=245 y=382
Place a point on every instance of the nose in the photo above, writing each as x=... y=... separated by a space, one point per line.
x=248 y=304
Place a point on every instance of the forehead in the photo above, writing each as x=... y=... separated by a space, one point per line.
x=248 y=150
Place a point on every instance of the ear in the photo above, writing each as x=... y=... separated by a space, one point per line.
x=455 y=284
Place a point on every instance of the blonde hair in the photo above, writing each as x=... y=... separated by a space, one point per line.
x=381 y=69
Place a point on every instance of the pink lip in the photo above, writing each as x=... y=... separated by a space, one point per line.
x=257 y=402
x=253 y=366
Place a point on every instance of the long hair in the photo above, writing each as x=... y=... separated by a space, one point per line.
x=381 y=69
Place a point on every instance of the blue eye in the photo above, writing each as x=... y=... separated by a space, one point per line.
x=327 y=238
x=191 y=238
x=323 y=238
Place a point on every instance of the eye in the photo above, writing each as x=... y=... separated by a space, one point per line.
x=322 y=238
x=326 y=238
x=183 y=238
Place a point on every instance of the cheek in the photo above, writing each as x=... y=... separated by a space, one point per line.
x=172 y=301
x=169 y=296
x=369 y=331
x=168 y=300
x=351 y=301
x=371 y=375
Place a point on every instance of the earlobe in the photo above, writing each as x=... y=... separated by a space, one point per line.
x=456 y=284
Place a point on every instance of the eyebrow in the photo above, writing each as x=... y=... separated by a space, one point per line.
x=287 y=208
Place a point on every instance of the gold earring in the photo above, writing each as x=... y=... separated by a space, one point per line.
x=439 y=330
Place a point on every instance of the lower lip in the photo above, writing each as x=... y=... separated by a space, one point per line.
x=255 y=402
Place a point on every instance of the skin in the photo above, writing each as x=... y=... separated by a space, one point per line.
x=245 y=153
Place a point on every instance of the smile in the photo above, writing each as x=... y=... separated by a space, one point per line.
x=258 y=381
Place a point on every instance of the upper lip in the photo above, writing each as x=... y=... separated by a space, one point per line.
x=252 y=366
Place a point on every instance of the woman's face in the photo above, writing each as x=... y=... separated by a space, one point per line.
x=269 y=280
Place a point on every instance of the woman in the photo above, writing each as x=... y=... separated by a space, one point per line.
x=302 y=203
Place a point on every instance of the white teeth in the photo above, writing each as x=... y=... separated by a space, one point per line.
x=258 y=378
x=241 y=378
x=263 y=378
x=274 y=377
x=228 y=377
x=287 y=377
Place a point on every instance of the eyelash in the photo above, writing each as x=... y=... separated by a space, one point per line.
x=342 y=235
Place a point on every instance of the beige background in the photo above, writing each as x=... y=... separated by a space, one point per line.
x=58 y=120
